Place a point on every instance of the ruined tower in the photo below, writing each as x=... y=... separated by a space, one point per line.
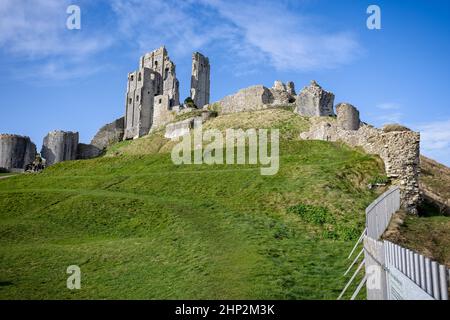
x=155 y=80
x=200 y=79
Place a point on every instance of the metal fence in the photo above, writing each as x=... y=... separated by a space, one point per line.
x=379 y=212
x=427 y=275
x=391 y=271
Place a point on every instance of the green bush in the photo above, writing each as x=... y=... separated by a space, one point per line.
x=190 y=103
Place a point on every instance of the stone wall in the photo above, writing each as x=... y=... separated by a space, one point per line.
x=162 y=113
x=16 y=152
x=200 y=80
x=248 y=99
x=282 y=94
x=399 y=150
x=314 y=101
x=109 y=134
x=181 y=128
x=59 y=146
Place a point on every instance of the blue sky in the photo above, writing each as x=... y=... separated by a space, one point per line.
x=55 y=78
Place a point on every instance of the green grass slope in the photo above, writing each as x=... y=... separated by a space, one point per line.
x=141 y=227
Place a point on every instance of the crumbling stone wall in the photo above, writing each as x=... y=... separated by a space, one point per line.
x=314 y=101
x=181 y=128
x=109 y=134
x=59 y=146
x=16 y=152
x=249 y=99
x=281 y=93
x=200 y=80
x=162 y=113
x=400 y=151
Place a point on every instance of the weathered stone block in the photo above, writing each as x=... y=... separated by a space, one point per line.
x=249 y=99
x=59 y=146
x=16 y=152
x=181 y=128
x=314 y=101
x=109 y=134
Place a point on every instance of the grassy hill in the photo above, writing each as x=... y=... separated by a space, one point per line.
x=141 y=227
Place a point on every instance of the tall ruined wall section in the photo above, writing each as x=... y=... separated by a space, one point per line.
x=59 y=146
x=16 y=152
x=200 y=80
x=400 y=151
x=143 y=85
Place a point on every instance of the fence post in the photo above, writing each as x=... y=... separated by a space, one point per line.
x=435 y=275
x=443 y=282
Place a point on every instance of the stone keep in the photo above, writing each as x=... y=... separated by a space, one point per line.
x=155 y=77
x=59 y=146
x=159 y=61
x=347 y=116
x=314 y=101
x=200 y=80
x=16 y=152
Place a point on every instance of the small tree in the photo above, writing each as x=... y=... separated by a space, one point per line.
x=190 y=103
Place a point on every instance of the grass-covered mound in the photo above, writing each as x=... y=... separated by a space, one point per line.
x=141 y=227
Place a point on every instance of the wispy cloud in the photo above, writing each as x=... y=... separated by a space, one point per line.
x=288 y=41
x=247 y=33
x=35 y=32
x=435 y=140
x=252 y=32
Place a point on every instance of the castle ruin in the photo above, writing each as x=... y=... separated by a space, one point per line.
x=153 y=92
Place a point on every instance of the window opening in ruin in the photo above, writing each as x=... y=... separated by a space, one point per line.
x=137 y=99
x=160 y=100
x=166 y=73
x=130 y=100
x=132 y=77
x=139 y=79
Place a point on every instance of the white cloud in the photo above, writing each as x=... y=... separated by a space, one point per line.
x=251 y=32
x=435 y=135
x=435 y=140
x=36 y=33
x=289 y=41
x=247 y=33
